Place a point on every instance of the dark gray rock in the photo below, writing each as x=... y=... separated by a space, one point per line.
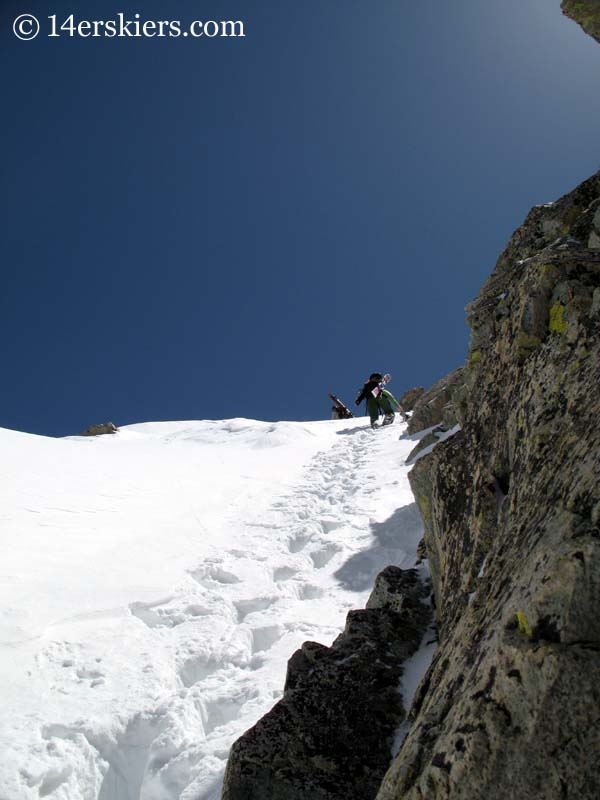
x=99 y=430
x=586 y=13
x=511 y=511
x=409 y=398
x=329 y=737
x=429 y=439
x=436 y=406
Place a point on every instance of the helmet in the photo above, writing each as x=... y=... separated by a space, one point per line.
x=375 y=376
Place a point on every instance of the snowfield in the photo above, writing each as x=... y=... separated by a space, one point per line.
x=154 y=583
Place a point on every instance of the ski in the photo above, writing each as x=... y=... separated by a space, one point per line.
x=341 y=411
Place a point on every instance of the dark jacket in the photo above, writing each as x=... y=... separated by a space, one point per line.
x=366 y=391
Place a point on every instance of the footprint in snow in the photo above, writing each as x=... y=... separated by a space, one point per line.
x=281 y=574
x=264 y=638
x=246 y=607
x=221 y=711
x=329 y=525
x=152 y=615
x=321 y=558
x=196 y=610
x=196 y=669
x=308 y=591
x=83 y=673
x=210 y=574
x=298 y=543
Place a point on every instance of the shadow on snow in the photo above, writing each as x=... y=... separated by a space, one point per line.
x=394 y=542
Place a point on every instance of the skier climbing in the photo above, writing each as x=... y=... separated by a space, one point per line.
x=378 y=398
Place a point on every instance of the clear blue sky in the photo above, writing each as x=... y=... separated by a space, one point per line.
x=210 y=228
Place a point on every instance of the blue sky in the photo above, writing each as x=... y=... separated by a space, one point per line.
x=210 y=228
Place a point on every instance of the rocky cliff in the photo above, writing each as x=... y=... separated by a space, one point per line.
x=511 y=506
x=510 y=499
x=586 y=13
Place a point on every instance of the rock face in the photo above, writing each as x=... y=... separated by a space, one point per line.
x=586 y=13
x=329 y=738
x=435 y=405
x=409 y=398
x=99 y=430
x=511 y=507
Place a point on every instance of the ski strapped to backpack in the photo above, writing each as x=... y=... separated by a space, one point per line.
x=342 y=410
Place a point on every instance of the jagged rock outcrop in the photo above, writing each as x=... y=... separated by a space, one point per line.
x=99 y=430
x=409 y=398
x=329 y=737
x=511 y=507
x=428 y=441
x=586 y=13
x=435 y=405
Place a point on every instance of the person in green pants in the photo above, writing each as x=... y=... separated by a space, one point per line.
x=377 y=399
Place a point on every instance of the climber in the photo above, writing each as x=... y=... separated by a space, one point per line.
x=378 y=399
x=372 y=393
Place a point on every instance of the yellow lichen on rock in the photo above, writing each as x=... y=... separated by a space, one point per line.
x=474 y=358
x=524 y=626
x=527 y=344
x=557 y=323
x=424 y=506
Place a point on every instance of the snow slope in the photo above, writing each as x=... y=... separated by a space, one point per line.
x=154 y=583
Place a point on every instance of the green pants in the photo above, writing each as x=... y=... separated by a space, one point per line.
x=374 y=404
